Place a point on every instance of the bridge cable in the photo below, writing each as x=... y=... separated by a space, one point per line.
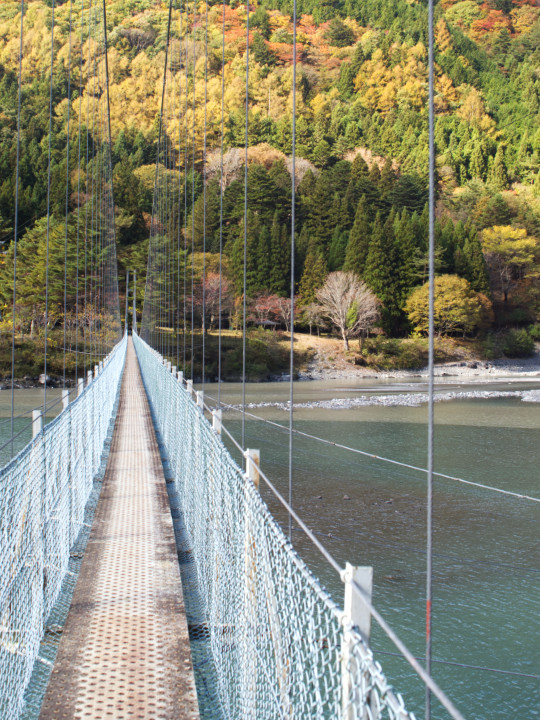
x=16 y=224
x=431 y=360
x=48 y=213
x=68 y=148
x=373 y=456
x=204 y=189
x=244 y=280
x=79 y=201
x=220 y=292
x=293 y=229
x=193 y=194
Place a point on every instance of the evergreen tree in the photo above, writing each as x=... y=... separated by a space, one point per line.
x=314 y=275
x=280 y=262
x=359 y=168
x=358 y=245
x=336 y=251
x=264 y=260
x=407 y=251
x=476 y=269
x=499 y=175
x=381 y=272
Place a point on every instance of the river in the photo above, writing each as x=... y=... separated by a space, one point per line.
x=486 y=567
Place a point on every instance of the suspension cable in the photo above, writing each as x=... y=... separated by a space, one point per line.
x=48 y=212
x=221 y=190
x=244 y=279
x=16 y=225
x=293 y=221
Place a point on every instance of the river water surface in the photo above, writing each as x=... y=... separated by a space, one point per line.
x=486 y=574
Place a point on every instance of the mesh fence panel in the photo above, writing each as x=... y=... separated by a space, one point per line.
x=280 y=645
x=43 y=494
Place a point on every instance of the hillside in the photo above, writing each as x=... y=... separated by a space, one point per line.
x=361 y=140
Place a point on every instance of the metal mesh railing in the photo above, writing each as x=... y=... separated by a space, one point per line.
x=281 y=647
x=43 y=494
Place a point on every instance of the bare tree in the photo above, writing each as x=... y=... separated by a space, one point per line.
x=284 y=311
x=348 y=303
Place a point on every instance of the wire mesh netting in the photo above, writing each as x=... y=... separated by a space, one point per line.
x=281 y=648
x=44 y=493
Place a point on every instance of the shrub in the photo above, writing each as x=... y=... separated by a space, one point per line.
x=518 y=343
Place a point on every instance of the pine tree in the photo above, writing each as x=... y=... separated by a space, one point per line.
x=478 y=164
x=359 y=168
x=358 y=245
x=314 y=275
x=264 y=262
x=336 y=251
x=279 y=258
x=499 y=175
x=408 y=252
x=381 y=272
x=477 y=273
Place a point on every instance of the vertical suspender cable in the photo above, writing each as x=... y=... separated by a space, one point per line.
x=79 y=203
x=16 y=225
x=67 y=193
x=293 y=220
x=48 y=215
x=429 y=529
x=244 y=304
x=193 y=194
x=180 y=219
x=220 y=301
x=204 y=188
x=184 y=351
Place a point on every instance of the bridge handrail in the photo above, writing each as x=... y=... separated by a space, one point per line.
x=43 y=493
x=280 y=645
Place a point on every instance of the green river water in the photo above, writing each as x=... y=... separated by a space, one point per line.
x=486 y=579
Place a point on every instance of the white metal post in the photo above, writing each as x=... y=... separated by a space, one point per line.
x=173 y=370
x=180 y=376
x=37 y=422
x=89 y=377
x=189 y=386
x=216 y=420
x=80 y=386
x=200 y=399
x=356 y=615
x=65 y=399
x=253 y=462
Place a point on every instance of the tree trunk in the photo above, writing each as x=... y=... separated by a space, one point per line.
x=345 y=341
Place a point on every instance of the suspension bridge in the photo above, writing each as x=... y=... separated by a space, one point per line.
x=128 y=504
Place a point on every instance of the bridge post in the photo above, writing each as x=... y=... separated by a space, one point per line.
x=180 y=376
x=80 y=386
x=253 y=462
x=189 y=387
x=199 y=394
x=89 y=377
x=357 y=615
x=101 y=366
x=173 y=370
x=169 y=365
x=216 y=421
x=96 y=370
x=37 y=422
x=65 y=399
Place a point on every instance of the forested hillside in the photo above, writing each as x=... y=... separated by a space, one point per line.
x=362 y=143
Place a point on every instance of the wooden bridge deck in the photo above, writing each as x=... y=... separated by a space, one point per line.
x=125 y=648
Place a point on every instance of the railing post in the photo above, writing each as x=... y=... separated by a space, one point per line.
x=37 y=422
x=199 y=394
x=96 y=370
x=173 y=370
x=253 y=462
x=88 y=377
x=180 y=376
x=355 y=614
x=216 y=421
x=189 y=387
x=65 y=399
x=169 y=365
x=80 y=386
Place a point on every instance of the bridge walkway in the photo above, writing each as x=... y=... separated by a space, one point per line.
x=125 y=649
